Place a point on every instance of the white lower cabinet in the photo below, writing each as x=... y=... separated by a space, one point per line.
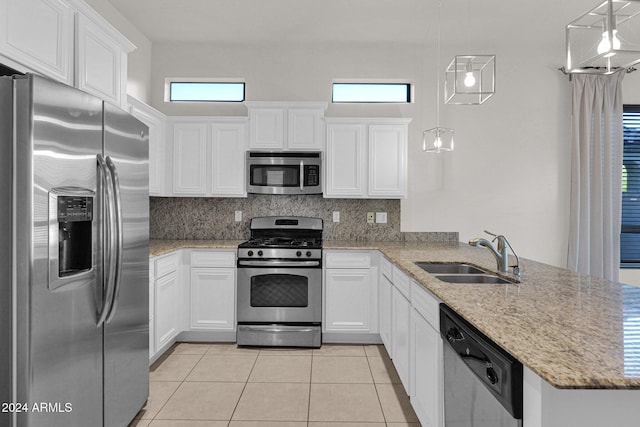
x=167 y=309
x=426 y=388
x=350 y=295
x=401 y=309
x=213 y=284
x=152 y=309
x=385 y=312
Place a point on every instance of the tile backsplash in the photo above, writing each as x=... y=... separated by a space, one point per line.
x=214 y=218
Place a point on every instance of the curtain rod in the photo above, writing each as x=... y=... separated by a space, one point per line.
x=564 y=71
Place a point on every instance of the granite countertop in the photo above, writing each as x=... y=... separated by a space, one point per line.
x=568 y=328
x=161 y=247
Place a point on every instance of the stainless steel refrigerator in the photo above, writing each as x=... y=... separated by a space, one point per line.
x=74 y=258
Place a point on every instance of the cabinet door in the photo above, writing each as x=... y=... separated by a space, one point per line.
x=39 y=35
x=385 y=313
x=347 y=300
x=152 y=309
x=189 y=159
x=266 y=128
x=305 y=129
x=426 y=382
x=345 y=161
x=157 y=130
x=101 y=64
x=167 y=314
x=228 y=147
x=387 y=161
x=213 y=298
x=400 y=335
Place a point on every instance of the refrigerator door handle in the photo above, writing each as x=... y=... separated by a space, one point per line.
x=118 y=235
x=109 y=247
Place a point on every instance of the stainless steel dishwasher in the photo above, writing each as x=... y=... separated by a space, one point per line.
x=482 y=382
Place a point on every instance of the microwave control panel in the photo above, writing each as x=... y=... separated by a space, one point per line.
x=311 y=175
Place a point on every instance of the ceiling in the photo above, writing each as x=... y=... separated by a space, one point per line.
x=370 y=21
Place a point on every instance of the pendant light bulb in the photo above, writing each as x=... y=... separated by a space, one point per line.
x=605 y=44
x=469 y=78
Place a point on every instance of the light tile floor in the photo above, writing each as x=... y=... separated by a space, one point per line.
x=221 y=385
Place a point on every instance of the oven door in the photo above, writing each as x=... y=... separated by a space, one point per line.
x=279 y=294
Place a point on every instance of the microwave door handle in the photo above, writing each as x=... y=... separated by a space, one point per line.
x=301 y=175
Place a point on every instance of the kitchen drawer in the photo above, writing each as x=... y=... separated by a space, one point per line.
x=213 y=258
x=347 y=259
x=166 y=265
x=426 y=304
x=386 y=268
x=402 y=282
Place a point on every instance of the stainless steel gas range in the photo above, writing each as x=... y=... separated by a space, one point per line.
x=279 y=283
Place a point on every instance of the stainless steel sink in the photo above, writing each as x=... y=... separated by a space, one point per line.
x=472 y=278
x=449 y=268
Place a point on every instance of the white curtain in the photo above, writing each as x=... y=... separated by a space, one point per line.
x=596 y=174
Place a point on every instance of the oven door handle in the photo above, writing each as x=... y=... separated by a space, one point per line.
x=278 y=263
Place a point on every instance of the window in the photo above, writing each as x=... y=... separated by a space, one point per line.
x=371 y=92
x=630 y=232
x=204 y=91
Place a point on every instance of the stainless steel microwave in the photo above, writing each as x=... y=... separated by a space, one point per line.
x=284 y=172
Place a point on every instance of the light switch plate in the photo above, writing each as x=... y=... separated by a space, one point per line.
x=336 y=216
x=381 y=217
x=238 y=216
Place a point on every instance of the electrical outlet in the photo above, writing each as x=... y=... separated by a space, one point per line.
x=369 y=217
x=381 y=217
x=336 y=216
x=238 y=216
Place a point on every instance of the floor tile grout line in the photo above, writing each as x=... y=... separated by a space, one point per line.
x=243 y=387
x=181 y=382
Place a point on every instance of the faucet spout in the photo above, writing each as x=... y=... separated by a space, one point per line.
x=500 y=253
x=500 y=256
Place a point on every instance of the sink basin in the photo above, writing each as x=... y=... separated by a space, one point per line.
x=449 y=268
x=472 y=278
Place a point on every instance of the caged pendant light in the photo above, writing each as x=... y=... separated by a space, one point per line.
x=437 y=139
x=604 y=39
x=470 y=79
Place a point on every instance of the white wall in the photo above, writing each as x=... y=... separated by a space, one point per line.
x=510 y=171
x=139 y=61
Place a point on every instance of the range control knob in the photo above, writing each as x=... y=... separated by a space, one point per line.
x=250 y=253
x=308 y=254
x=260 y=253
x=492 y=376
x=298 y=253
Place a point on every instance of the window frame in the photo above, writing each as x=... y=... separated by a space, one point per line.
x=627 y=183
x=407 y=84
x=214 y=81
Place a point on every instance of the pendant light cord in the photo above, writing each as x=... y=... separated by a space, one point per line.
x=438 y=70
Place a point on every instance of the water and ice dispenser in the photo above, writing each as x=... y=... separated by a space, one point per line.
x=71 y=237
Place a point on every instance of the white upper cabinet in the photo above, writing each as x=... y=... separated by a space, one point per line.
x=228 y=158
x=101 y=65
x=38 y=34
x=68 y=41
x=345 y=160
x=366 y=158
x=208 y=157
x=286 y=125
x=157 y=123
x=387 y=160
x=189 y=159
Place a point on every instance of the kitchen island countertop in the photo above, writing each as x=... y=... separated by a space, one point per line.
x=572 y=330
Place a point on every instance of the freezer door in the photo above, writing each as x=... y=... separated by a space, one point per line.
x=56 y=343
x=126 y=339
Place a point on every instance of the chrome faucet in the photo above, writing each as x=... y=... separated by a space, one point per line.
x=500 y=253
